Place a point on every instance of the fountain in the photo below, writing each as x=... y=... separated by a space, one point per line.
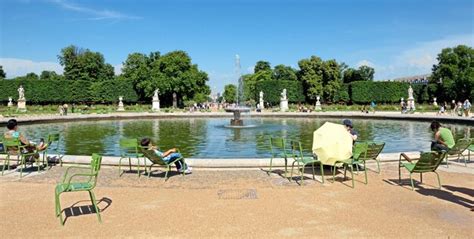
x=238 y=108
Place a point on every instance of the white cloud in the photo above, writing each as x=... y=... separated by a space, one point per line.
x=118 y=69
x=365 y=63
x=19 y=67
x=96 y=14
x=419 y=59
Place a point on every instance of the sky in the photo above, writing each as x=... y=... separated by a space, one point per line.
x=397 y=38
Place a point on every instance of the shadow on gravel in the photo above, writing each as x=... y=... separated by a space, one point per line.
x=74 y=211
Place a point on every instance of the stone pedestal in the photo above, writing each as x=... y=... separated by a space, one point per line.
x=318 y=105
x=284 y=105
x=411 y=104
x=261 y=105
x=155 y=104
x=120 y=106
x=22 y=105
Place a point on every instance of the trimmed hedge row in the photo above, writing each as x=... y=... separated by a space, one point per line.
x=272 y=91
x=363 y=92
x=64 y=91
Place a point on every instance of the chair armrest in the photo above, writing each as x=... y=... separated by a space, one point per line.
x=408 y=159
x=78 y=175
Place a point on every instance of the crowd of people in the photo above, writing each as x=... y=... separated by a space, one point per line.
x=459 y=108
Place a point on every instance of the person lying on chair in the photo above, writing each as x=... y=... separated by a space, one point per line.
x=167 y=156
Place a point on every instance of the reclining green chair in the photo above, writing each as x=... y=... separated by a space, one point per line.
x=14 y=148
x=373 y=151
x=130 y=149
x=155 y=159
x=427 y=163
x=458 y=150
x=301 y=161
x=69 y=185
x=359 y=155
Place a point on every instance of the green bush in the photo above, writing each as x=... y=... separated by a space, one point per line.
x=65 y=91
x=342 y=95
x=272 y=91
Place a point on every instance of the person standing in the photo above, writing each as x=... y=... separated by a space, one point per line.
x=453 y=107
x=443 y=137
x=466 y=107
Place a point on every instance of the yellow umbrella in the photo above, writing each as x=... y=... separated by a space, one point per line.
x=332 y=142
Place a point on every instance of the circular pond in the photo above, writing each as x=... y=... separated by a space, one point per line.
x=208 y=138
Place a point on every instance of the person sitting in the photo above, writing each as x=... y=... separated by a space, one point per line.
x=13 y=133
x=168 y=156
x=350 y=128
x=443 y=137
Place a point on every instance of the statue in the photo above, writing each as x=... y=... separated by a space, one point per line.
x=120 y=104
x=175 y=100
x=283 y=94
x=156 y=101
x=10 y=103
x=410 y=93
x=21 y=93
x=283 y=101
x=318 y=103
x=261 y=105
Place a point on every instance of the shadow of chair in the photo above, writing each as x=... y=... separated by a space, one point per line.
x=75 y=211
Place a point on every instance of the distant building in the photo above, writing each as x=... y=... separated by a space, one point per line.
x=418 y=79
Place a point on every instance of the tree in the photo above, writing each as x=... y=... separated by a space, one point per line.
x=31 y=76
x=84 y=64
x=3 y=75
x=366 y=73
x=282 y=72
x=230 y=93
x=454 y=73
x=262 y=66
x=311 y=73
x=48 y=75
x=170 y=73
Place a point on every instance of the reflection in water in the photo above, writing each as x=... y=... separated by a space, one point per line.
x=208 y=138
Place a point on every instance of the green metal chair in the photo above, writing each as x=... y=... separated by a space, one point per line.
x=155 y=159
x=53 y=141
x=69 y=185
x=427 y=163
x=130 y=149
x=458 y=150
x=278 y=150
x=301 y=161
x=14 y=148
x=373 y=151
x=359 y=155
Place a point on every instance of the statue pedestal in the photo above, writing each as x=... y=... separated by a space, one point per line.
x=318 y=106
x=155 y=105
x=411 y=103
x=284 y=105
x=10 y=104
x=22 y=105
x=261 y=105
x=120 y=107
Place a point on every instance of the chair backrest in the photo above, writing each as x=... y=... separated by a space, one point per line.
x=53 y=138
x=428 y=162
x=460 y=146
x=296 y=149
x=151 y=155
x=359 y=151
x=12 y=145
x=277 y=144
x=96 y=163
x=129 y=145
x=374 y=149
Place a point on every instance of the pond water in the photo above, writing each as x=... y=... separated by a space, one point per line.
x=208 y=138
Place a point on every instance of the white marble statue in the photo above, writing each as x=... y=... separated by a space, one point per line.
x=120 y=104
x=10 y=103
x=283 y=94
x=156 y=101
x=283 y=101
x=261 y=103
x=21 y=93
x=410 y=93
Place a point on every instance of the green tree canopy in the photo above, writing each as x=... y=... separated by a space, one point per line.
x=3 y=75
x=49 y=75
x=454 y=73
x=282 y=72
x=84 y=64
x=363 y=73
x=262 y=66
x=230 y=93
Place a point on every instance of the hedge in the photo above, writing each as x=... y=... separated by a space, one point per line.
x=67 y=91
x=272 y=91
x=363 y=92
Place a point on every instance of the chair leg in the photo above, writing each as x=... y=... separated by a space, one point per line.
x=357 y=167
x=302 y=175
x=447 y=166
x=60 y=214
x=421 y=177
x=130 y=164
x=166 y=173
x=138 y=167
x=149 y=171
x=345 y=169
x=322 y=172
x=292 y=169
x=286 y=166
x=271 y=163
x=439 y=181
x=334 y=174
x=5 y=163
x=352 y=175
x=94 y=203
x=378 y=165
x=365 y=172
x=120 y=167
x=412 y=185
x=313 y=171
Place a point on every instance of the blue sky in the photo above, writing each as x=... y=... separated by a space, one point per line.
x=397 y=38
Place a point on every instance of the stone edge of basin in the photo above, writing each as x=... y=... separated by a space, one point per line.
x=356 y=115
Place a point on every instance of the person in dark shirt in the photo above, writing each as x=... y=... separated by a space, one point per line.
x=350 y=128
